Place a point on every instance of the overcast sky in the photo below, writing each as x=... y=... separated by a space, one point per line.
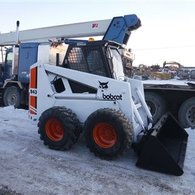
x=167 y=31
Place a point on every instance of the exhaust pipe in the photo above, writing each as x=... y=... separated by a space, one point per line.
x=17 y=32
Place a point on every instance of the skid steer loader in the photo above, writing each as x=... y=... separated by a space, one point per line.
x=89 y=92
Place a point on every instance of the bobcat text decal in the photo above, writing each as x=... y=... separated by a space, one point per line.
x=112 y=97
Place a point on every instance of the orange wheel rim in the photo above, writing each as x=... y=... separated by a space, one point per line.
x=54 y=129
x=104 y=135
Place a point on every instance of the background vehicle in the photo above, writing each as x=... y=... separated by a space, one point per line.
x=178 y=97
x=15 y=69
x=46 y=45
x=171 y=88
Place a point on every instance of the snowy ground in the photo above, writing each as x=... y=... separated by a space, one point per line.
x=168 y=82
x=29 y=167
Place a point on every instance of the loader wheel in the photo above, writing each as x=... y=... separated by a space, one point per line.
x=186 y=114
x=12 y=97
x=108 y=133
x=156 y=105
x=59 y=128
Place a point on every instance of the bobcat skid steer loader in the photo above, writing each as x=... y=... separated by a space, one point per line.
x=89 y=92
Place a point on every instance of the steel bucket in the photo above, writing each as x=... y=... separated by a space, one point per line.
x=163 y=148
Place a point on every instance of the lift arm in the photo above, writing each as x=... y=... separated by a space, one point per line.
x=117 y=29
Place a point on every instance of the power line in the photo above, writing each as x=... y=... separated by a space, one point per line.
x=167 y=47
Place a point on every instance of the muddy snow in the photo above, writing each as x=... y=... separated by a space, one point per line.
x=29 y=167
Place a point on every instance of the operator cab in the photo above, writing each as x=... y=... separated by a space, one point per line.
x=96 y=57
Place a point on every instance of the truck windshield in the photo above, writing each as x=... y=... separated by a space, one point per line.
x=9 y=57
x=117 y=64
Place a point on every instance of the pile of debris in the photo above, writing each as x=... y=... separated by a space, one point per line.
x=169 y=70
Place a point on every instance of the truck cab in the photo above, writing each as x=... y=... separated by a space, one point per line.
x=15 y=73
x=14 y=78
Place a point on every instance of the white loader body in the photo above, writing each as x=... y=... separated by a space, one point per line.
x=126 y=96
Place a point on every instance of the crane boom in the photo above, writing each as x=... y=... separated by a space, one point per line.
x=117 y=29
x=84 y=29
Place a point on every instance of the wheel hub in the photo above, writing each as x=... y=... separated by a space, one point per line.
x=54 y=129
x=104 y=135
x=191 y=115
x=12 y=100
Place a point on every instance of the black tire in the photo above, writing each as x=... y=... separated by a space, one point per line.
x=113 y=123
x=156 y=104
x=12 y=97
x=186 y=114
x=59 y=128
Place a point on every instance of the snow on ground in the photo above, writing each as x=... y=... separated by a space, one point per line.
x=29 y=167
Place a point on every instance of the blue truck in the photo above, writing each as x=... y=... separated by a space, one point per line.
x=14 y=77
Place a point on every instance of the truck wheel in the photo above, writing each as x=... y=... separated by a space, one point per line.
x=59 y=128
x=12 y=97
x=108 y=133
x=156 y=105
x=186 y=114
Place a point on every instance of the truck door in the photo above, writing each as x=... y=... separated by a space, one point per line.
x=7 y=66
x=27 y=56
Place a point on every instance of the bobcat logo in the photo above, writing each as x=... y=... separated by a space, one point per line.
x=103 y=85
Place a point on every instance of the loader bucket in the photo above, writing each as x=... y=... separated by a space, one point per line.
x=163 y=148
